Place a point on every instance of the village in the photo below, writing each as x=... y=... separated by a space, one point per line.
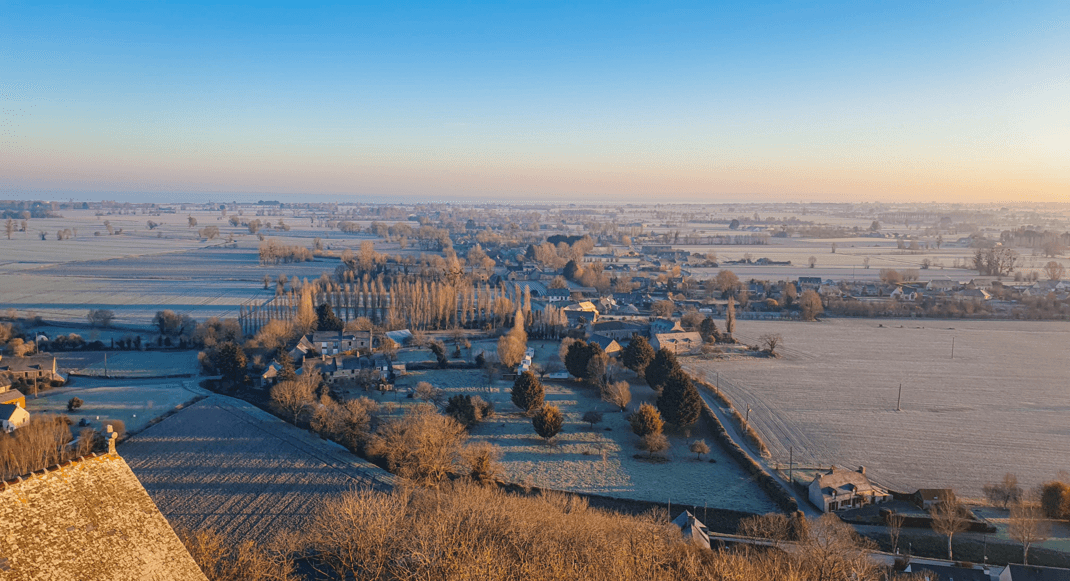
x=599 y=365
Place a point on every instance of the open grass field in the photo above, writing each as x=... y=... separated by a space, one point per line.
x=135 y=402
x=225 y=464
x=133 y=363
x=1000 y=405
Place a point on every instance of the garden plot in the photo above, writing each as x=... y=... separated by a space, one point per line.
x=225 y=464
x=135 y=403
x=999 y=406
x=599 y=461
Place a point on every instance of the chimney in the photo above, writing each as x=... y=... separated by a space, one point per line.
x=862 y=470
x=111 y=436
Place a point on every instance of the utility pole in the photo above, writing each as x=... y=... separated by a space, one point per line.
x=952 y=347
x=747 y=420
x=900 y=400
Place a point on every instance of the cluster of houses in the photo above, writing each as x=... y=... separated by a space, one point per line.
x=26 y=370
x=338 y=356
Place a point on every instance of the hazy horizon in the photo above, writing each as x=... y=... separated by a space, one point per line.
x=623 y=103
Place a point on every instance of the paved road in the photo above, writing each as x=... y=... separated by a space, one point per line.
x=733 y=432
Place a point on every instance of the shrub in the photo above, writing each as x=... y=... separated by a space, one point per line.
x=482 y=458
x=654 y=443
x=592 y=417
x=646 y=420
x=467 y=410
x=699 y=447
x=423 y=446
x=1055 y=499
x=548 y=421
x=73 y=404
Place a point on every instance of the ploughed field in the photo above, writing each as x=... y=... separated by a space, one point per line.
x=225 y=464
x=1001 y=405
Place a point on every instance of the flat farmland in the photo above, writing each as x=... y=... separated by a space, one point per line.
x=1002 y=404
x=225 y=464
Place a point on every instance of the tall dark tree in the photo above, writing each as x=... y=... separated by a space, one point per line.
x=680 y=403
x=708 y=329
x=571 y=270
x=637 y=355
x=286 y=366
x=439 y=349
x=548 y=421
x=527 y=392
x=230 y=360
x=664 y=363
x=577 y=358
x=326 y=320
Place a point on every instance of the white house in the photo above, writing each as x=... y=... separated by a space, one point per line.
x=13 y=417
x=841 y=489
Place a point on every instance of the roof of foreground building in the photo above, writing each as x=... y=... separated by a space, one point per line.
x=87 y=519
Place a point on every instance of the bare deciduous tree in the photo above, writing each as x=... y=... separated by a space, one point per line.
x=1029 y=527
x=618 y=393
x=699 y=447
x=1054 y=270
x=291 y=397
x=423 y=446
x=949 y=517
x=1005 y=492
x=895 y=528
x=770 y=340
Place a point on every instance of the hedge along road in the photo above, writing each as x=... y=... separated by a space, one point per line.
x=734 y=434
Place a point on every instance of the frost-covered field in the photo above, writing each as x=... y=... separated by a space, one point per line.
x=576 y=462
x=136 y=403
x=137 y=364
x=1002 y=404
x=225 y=464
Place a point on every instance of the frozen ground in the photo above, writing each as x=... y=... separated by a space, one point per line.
x=135 y=402
x=225 y=464
x=1000 y=405
x=132 y=363
x=576 y=462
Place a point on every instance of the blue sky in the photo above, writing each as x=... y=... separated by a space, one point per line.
x=801 y=101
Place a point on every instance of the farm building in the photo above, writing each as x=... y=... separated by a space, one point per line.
x=12 y=417
x=88 y=519
x=1016 y=572
x=14 y=396
x=841 y=489
x=335 y=342
x=665 y=326
x=925 y=498
x=610 y=346
x=29 y=368
x=677 y=342
x=693 y=529
x=339 y=368
x=619 y=330
x=584 y=309
x=934 y=572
